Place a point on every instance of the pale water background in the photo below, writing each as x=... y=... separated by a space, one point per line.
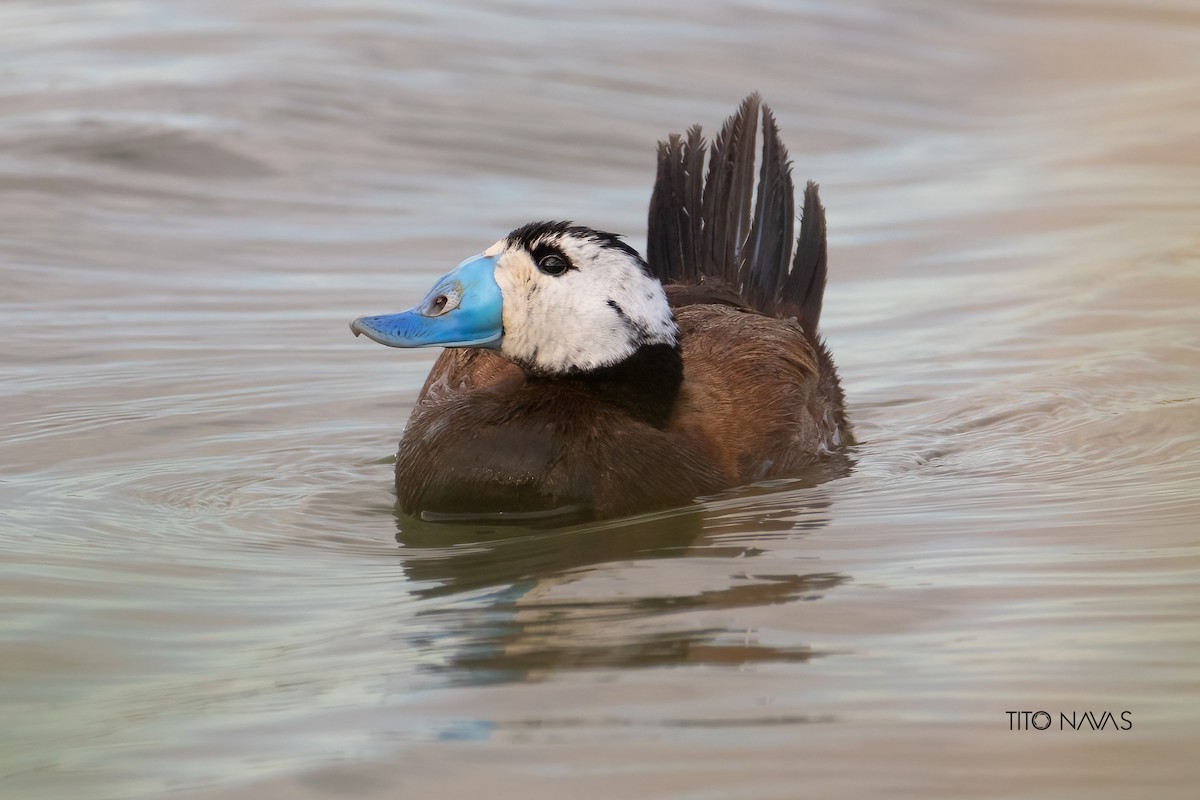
x=205 y=589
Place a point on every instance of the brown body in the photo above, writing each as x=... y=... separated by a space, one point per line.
x=753 y=403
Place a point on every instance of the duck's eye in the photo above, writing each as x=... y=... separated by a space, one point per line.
x=553 y=264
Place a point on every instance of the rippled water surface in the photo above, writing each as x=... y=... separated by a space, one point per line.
x=205 y=590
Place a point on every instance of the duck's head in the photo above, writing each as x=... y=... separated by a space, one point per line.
x=554 y=297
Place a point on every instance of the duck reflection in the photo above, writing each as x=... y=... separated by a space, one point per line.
x=620 y=593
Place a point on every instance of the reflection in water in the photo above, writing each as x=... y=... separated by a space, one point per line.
x=443 y=558
x=526 y=637
x=553 y=606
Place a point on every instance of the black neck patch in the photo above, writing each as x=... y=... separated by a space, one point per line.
x=645 y=385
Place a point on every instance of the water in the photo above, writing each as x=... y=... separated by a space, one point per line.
x=206 y=592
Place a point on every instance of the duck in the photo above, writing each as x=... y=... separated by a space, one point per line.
x=580 y=380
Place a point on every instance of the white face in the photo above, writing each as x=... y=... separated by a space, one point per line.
x=576 y=300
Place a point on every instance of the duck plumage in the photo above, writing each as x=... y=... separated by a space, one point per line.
x=590 y=382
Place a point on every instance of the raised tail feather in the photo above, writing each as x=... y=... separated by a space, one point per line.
x=703 y=228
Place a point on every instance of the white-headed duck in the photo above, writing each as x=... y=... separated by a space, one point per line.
x=582 y=379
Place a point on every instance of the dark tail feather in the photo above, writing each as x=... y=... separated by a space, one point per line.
x=674 y=208
x=764 y=264
x=725 y=213
x=711 y=229
x=805 y=286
